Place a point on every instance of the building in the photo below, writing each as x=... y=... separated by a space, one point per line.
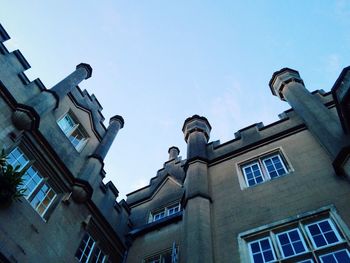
x=275 y=193
x=69 y=213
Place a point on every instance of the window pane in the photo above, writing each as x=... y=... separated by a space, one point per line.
x=85 y=247
x=98 y=255
x=274 y=166
x=43 y=199
x=66 y=124
x=261 y=250
x=73 y=131
x=323 y=233
x=341 y=256
x=291 y=243
x=253 y=174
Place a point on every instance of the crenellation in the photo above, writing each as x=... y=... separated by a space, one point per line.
x=254 y=135
x=251 y=131
x=4 y=36
x=216 y=205
x=18 y=54
x=23 y=77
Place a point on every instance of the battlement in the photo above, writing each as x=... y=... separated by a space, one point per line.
x=173 y=168
x=30 y=102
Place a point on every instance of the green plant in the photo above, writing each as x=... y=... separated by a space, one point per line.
x=11 y=180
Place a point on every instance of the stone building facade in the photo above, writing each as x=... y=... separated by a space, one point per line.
x=275 y=193
x=59 y=132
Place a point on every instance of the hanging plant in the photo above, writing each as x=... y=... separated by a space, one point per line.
x=11 y=181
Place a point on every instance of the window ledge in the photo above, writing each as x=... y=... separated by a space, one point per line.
x=156 y=224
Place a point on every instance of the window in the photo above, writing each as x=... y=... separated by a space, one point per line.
x=89 y=251
x=291 y=243
x=323 y=233
x=73 y=130
x=340 y=256
x=164 y=212
x=306 y=239
x=169 y=255
x=264 y=169
x=37 y=191
x=261 y=251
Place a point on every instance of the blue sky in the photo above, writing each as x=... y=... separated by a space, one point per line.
x=158 y=62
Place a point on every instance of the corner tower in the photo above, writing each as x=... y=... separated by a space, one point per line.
x=197 y=200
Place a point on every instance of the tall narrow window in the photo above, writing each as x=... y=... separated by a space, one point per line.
x=37 y=191
x=253 y=174
x=88 y=251
x=73 y=130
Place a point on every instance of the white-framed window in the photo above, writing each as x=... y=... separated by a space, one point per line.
x=339 y=256
x=309 y=239
x=291 y=243
x=89 y=251
x=323 y=233
x=164 y=212
x=37 y=191
x=173 y=209
x=262 y=251
x=169 y=255
x=73 y=130
x=264 y=168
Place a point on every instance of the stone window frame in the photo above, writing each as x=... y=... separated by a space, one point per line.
x=300 y=221
x=259 y=161
x=77 y=127
x=164 y=211
x=34 y=193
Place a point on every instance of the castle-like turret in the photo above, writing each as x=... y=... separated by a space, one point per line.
x=27 y=116
x=197 y=201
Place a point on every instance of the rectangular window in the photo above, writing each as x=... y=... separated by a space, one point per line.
x=253 y=174
x=261 y=251
x=37 y=191
x=307 y=239
x=340 y=256
x=263 y=169
x=158 y=216
x=73 y=130
x=274 y=166
x=89 y=251
x=173 y=209
x=291 y=243
x=164 y=212
x=323 y=233
x=164 y=257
